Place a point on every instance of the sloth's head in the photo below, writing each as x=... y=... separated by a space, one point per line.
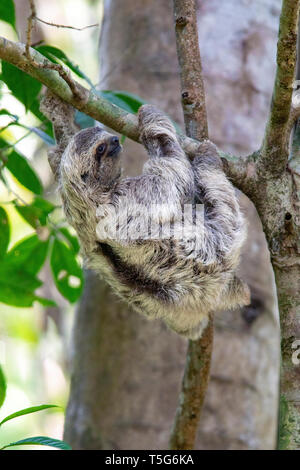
x=92 y=159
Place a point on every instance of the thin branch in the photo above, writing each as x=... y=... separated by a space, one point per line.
x=66 y=26
x=65 y=74
x=275 y=149
x=106 y=112
x=194 y=385
x=30 y=21
x=93 y=105
x=192 y=88
x=196 y=374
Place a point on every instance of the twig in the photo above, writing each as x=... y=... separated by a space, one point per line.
x=196 y=374
x=30 y=20
x=65 y=26
x=65 y=75
x=275 y=151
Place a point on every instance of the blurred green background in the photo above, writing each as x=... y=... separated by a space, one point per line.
x=34 y=341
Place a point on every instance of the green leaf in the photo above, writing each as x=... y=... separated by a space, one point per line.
x=52 y=53
x=27 y=411
x=46 y=302
x=83 y=120
x=127 y=101
x=123 y=99
x=4 y=232
x=45 y=206
x=40 y=441
x=21 y=169
x=7 y=12
x=15 y=295
x=2 y=387
x=66 y=272
x=17 y=286
x=35 y=213
x=12 y=277
x=23 y=86
x=73 y=241
x=5 y=112
x=29 y=255
x=18 y=270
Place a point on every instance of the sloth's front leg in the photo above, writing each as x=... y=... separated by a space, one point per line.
x=158 y=133
x=61 y=115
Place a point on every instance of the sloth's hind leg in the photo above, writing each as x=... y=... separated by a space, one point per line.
x=197 y=331
x=236 y=295
x=193 y=333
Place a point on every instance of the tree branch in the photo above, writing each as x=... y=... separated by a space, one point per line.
x=97 y=107
x=90 y=103
x=275 y=148
x=194 y=385
x=196 y=374
x=192 y=87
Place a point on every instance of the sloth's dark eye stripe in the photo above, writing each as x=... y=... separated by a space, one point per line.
x=134 y=277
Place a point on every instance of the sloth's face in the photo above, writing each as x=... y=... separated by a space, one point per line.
x=93 y=156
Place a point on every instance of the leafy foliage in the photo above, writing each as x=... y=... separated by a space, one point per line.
x=2 y=387
x=53 y=53
x=36 y=213
x=40 y=441
x=36 y=440
x=83 y=120
x=66 y=271
x=26 y=411
x=123 y=99
x=18 y=270
x=71 y=239
x=20 y=168
x=4 y=232
x=7 y=12
x=23 y=87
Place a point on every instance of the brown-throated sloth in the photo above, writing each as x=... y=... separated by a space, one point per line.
x=177 y=275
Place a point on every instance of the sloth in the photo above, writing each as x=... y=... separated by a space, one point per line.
x=185 y=268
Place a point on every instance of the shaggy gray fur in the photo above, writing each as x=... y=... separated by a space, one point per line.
x=178 y=279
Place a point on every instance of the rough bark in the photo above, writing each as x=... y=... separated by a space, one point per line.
x=190 y=67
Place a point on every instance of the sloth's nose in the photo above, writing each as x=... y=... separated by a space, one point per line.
x=114 y=141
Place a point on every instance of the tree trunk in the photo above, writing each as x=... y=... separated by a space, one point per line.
x=126 y=370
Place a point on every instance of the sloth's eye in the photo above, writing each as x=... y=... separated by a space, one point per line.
x=84 y=176
x=100 y=150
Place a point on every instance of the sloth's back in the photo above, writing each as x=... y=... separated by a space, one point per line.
x=156 y=278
